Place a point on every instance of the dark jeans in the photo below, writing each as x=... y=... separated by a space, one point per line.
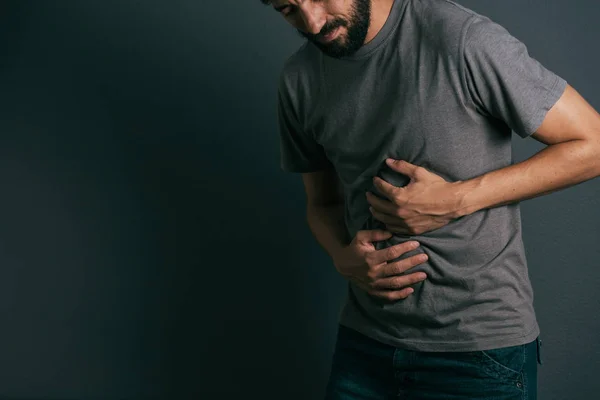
x=365 y=369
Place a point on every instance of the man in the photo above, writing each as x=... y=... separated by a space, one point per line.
x=398 y=114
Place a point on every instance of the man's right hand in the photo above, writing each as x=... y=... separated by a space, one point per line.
x=369 y=268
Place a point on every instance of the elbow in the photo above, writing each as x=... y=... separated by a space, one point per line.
x=592 y=152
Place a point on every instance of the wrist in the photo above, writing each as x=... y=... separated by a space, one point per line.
x=464 y=204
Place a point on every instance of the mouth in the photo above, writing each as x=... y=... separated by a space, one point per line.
x=330 y=36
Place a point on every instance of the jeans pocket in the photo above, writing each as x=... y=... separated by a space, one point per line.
x=504 y=362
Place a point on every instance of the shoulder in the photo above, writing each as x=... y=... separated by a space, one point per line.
x=484 y=33
x=453 y=21
x=301 y=68
x=444 y=23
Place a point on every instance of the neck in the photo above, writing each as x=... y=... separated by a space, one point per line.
x=380 y=11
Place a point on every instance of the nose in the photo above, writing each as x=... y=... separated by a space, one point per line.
x=314 y=18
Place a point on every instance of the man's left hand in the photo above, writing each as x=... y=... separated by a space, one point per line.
x=426 y=203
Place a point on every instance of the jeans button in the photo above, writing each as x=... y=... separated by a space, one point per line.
x=519 y=385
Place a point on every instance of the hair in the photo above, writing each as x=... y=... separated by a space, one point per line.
x=266 y=2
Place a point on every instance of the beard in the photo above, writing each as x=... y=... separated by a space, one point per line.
x=357 y=28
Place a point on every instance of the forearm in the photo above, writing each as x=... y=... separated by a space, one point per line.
x=555 y=167
x=328 y=226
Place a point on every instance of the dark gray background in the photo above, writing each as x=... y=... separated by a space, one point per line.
x=150 y=246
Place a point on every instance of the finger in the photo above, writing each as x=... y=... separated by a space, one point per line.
x=378 y=257
x=383 y=217
x=380 y=204
x=387 y=189
x=402 y=266
x=375 y=235
x=398 y=282
x=392 y=295
x=402 y=166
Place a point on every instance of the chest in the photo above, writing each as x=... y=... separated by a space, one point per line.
x=403 y=107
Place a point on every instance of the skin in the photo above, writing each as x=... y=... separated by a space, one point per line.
x=570 y=131
x=359 y=21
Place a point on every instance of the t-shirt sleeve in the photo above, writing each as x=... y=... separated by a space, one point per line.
x=503 y=81
x=299 y=151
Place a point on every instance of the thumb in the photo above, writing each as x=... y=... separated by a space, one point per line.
x=404 y=167
x=377 y=235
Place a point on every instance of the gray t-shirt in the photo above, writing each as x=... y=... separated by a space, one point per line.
x=442 y=87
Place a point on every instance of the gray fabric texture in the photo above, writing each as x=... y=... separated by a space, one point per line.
x=442 y=87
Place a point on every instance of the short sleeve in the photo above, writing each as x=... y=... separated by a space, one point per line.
x=503 y=81
x=299 y=151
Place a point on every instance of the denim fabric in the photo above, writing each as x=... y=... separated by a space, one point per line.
x=365 y=369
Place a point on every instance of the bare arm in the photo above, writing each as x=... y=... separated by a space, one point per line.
x=325 y=210
x=571 y=131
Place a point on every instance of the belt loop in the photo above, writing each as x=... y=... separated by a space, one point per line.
x=539 y=349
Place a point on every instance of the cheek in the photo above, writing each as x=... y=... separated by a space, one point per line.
x=340 y=8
